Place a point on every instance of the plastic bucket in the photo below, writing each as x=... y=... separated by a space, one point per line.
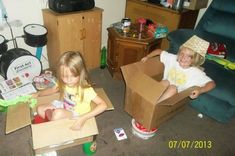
x=89 y=148
x=141 y=132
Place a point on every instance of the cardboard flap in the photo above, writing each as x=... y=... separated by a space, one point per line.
x=151 y=67
x=49 y=98
x=151 y=90
x=136 y=79
x=18 y=116
x=178 y=97
x=101 y=93
x=53 y=132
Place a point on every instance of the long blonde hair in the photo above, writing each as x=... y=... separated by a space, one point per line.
x=75 y=62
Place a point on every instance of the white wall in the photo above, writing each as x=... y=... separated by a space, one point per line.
x=201 y=12
x=29 y=12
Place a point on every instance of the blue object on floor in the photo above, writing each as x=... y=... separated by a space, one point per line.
x=39 y=53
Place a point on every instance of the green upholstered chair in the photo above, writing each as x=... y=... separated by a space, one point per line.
x=216 y=25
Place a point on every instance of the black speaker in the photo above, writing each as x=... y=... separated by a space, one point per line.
x=63 y=6
x=154 y=1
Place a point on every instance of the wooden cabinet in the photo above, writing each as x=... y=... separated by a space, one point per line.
x=171 y=18
x=76 y=31
x=125 y=50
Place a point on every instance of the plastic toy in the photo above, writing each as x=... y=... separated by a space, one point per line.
x=217 y=49
x=89 y=148
x=161 y=31
x=44 y=80
x=26 y=98
x=226 y=63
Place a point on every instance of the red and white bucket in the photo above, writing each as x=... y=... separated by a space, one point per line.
x=141 y=132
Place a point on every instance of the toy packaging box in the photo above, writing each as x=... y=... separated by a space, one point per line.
x=52 y=135
x=143 y=89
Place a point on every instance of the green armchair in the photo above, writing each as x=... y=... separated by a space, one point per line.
x=216 y=25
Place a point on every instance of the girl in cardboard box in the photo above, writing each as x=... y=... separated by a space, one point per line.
x=181 y=71
x=75 y=90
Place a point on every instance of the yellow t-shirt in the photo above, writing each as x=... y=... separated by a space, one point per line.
x=72 y=100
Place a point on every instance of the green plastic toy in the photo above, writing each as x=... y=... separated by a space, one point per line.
x=89 y=148
x=26 y=98
x=226 y=63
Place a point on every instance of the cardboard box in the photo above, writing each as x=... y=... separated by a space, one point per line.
x=52 y=135
x=143 y=90
x=196 y=4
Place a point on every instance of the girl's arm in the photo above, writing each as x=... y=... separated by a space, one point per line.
x=156 y=52
x=47 y=91
x=208 y=86
x=101 y=107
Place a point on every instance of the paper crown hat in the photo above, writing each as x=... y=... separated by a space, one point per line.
x=197 y=44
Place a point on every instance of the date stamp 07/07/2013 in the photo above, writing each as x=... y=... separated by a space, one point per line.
x=190 y=144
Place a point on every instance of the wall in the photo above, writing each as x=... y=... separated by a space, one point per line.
x=201 y=12
x=29 y=12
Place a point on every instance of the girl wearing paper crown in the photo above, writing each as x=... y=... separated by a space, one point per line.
x=76 y=93
x=181 y=71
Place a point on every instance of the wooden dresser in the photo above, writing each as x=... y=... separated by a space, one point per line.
x=75 y=31
x=169 y=17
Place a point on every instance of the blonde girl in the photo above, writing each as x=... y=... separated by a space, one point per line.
x=75 y=91
x=181 y=71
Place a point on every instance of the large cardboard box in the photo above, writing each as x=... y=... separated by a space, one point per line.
x=197 y=4
x=52 y=135
x=143 y=90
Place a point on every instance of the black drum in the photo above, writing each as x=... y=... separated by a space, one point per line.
x=19 y=61
x=35 y=35
x=3 y=44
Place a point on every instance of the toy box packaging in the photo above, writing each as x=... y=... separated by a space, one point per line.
x=196 y=4
x=53 y=135
x=143 y=90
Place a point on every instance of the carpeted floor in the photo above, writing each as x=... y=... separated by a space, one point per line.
x=185 y=134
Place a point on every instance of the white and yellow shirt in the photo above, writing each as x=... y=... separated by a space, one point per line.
x=182 y=78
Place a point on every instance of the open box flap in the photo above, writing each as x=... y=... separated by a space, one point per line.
x=52 y=133
x=135 y=74
x=151 y=67
x=177 y=97
x=101 y=93
x=18 y=116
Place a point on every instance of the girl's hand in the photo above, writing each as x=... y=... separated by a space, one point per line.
x=194 y=94
x=34 y=95
x=144 y=59
x=77 y=125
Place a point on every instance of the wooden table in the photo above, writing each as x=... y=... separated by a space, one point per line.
x=125 y=49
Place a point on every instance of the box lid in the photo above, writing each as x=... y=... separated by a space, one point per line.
x=137 y=73
x=58 y=132
x=18 y=116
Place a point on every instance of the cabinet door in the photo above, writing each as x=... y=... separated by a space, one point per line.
x=70 y=33
x=92 y=22
x=130 y=53
x=77 y=31
x=112 y=54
